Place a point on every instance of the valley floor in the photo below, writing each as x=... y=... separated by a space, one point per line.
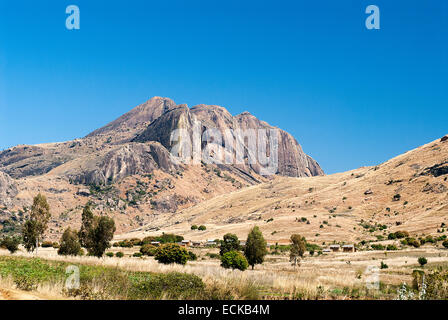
x=328 y=276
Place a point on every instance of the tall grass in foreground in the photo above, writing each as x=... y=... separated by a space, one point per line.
x=104 y=282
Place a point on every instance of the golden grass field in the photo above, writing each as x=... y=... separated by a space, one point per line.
x=328 y=276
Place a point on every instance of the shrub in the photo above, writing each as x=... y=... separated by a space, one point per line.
x=202 y=228
x=69 y=243
x=171 y=253
x=110 y=254
x=192 y=256
x=212 y=255
x=413 y=242
x=398 y=235
x=383 y=265
x=148 y=240
x=148 y=249
x=445 y=244
x=10 y=243
x=377 y=246
x=136 y=241
x=436 y=288
x=125 y=244
x=391 y=247
x=47 y=244
x=422 y=261
x=119 y=254
x=235 y=260
x=137 y=254
x=194 y=227
x=169 y=238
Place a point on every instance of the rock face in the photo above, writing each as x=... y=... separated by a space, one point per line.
x=292 y=161
x=138 y=142
x=8 y=189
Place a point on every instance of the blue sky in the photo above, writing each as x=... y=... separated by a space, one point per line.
x=350 y=96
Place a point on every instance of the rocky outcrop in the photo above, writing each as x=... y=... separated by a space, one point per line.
x=125 y=161
x=23 y=161
x=8 y=188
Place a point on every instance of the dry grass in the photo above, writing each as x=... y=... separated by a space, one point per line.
x=336 y=275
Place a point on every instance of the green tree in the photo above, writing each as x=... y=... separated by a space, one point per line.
x=194 y=227
x=69 y=243
x=86 y=225
x=202 y=228
x=100 y=235
x=298 y=248
x=422 y=261
x=230 y=242
x=39 y=218
x=148 y=249
x=234 y=260
x=172 y=253
x=255 y=249
x=10 y=243
x=29 y=235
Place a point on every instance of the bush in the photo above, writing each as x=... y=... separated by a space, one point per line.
x=436 y=288
x=413 y=242
x=169 y=238
x=202 y=228
x=391 y=247
x=137 y=254
x=148 y=249
x=110 y=254
x=148 y=240
x=192 y=256
x=213 y=255
x=445 y=244
x=422 y=261
x=377 y=246
x=172 y=253
x=69 y=243
x=119 y=254
x=10 y=243
x=398 y=235
x=194 y=227
x=47 y=244
x=125 y=244
x=234 y=260
x=383 y=265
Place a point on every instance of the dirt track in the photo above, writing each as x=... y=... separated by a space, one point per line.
x=12 y=294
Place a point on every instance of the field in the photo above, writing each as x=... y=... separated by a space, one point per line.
x=327 y=276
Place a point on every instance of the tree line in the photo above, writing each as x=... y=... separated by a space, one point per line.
x=95 y=233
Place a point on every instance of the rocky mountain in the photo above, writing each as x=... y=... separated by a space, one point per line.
x=125 y=168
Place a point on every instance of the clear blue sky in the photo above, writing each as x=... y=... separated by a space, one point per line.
x=350 y=96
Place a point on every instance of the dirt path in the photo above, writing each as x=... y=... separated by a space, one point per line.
x=13 y=294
